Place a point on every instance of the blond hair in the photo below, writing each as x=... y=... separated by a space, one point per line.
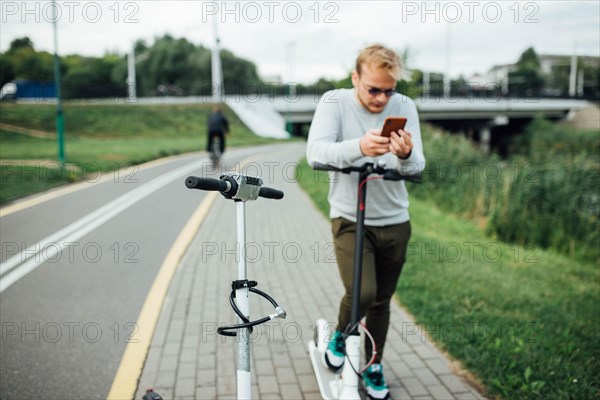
x=379 y=56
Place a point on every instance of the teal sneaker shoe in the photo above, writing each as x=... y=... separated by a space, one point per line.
x=336 y=351
x=374 y=382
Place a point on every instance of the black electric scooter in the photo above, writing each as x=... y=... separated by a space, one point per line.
x=344 y=385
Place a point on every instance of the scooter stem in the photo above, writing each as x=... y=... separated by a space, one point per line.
x=243 y=303
x=358 y=251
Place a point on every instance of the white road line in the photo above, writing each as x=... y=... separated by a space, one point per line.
x=21 y=205
x=30 y=259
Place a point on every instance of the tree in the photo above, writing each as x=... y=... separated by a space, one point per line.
x=90 y=77
x=169 y=66
x=31 y=65
x=178 y=67
x=527 y=78
x=414 y=87
x=20 y=43
x=239 y=75
x=345 y=83
x=591 y=80
x=558 y=80
x=529 y=59
x=21 y=61
x=6 y=70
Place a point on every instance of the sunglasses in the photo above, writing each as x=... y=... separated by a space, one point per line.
x=373 y=91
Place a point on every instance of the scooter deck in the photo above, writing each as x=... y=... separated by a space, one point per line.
x=325 y=377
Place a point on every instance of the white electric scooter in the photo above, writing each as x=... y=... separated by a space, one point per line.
x=241 y=188
x=344 y=385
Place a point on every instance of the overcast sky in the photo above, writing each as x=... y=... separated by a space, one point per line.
x=320 y=38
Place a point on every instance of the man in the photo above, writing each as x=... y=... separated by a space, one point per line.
x=217 y=127
x=345 y=131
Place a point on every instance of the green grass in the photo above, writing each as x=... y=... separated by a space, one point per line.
x=315 y=183
x=546 y=193
x=524 y=321
x=100 y=138
x=119 y=120
x=19 y=180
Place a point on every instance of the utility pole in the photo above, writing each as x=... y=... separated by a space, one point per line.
x=216 y=71
x=60 y=126
x=573 y=74
x=446 y=89
x=425 y=84
x=131 y=84
x=291 y=86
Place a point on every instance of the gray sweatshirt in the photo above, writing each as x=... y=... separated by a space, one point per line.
x=338 y=124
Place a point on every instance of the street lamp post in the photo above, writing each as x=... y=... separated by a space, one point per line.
x=291 y=86
x=59 y=109
x=131 y=84
x=216 y=70
x=573 y=73
x=447 y=81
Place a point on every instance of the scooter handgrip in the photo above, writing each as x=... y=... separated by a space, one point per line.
x=323 y=167
x=417 y=178
x=393 y=175
x=194 y=182
x=270 y=193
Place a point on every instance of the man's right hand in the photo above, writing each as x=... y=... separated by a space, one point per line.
x=373 y=144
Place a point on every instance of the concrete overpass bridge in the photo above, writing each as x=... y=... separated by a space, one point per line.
x=483 y=119
x=490 y=121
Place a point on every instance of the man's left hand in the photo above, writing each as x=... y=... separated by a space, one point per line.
x=401 y=144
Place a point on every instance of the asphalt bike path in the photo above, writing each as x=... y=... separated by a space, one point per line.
x=76 y=266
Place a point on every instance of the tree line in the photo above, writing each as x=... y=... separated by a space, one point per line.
x=81 y=76
x=169 y=66
x=176 y=67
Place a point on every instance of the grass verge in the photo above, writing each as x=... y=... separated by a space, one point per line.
x=100 y=138
x=524 y=321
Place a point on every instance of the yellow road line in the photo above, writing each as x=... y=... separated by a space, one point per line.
x=132 y=363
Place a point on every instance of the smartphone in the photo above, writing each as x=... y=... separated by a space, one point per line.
x=392 y=124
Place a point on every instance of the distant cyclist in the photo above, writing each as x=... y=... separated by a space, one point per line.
x=218 y=126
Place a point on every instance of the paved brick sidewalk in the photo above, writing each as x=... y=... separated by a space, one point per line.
x=290 y=254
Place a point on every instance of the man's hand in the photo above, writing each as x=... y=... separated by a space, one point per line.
x=373 y=144
x=401 y=144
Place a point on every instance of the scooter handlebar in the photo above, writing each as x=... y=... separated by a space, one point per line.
x=328 y=167
x=228 y=187
x=388 y=174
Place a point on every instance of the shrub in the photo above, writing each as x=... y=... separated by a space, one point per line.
x=545 y=193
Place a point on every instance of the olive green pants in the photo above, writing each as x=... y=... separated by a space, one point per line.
x=383 y=257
